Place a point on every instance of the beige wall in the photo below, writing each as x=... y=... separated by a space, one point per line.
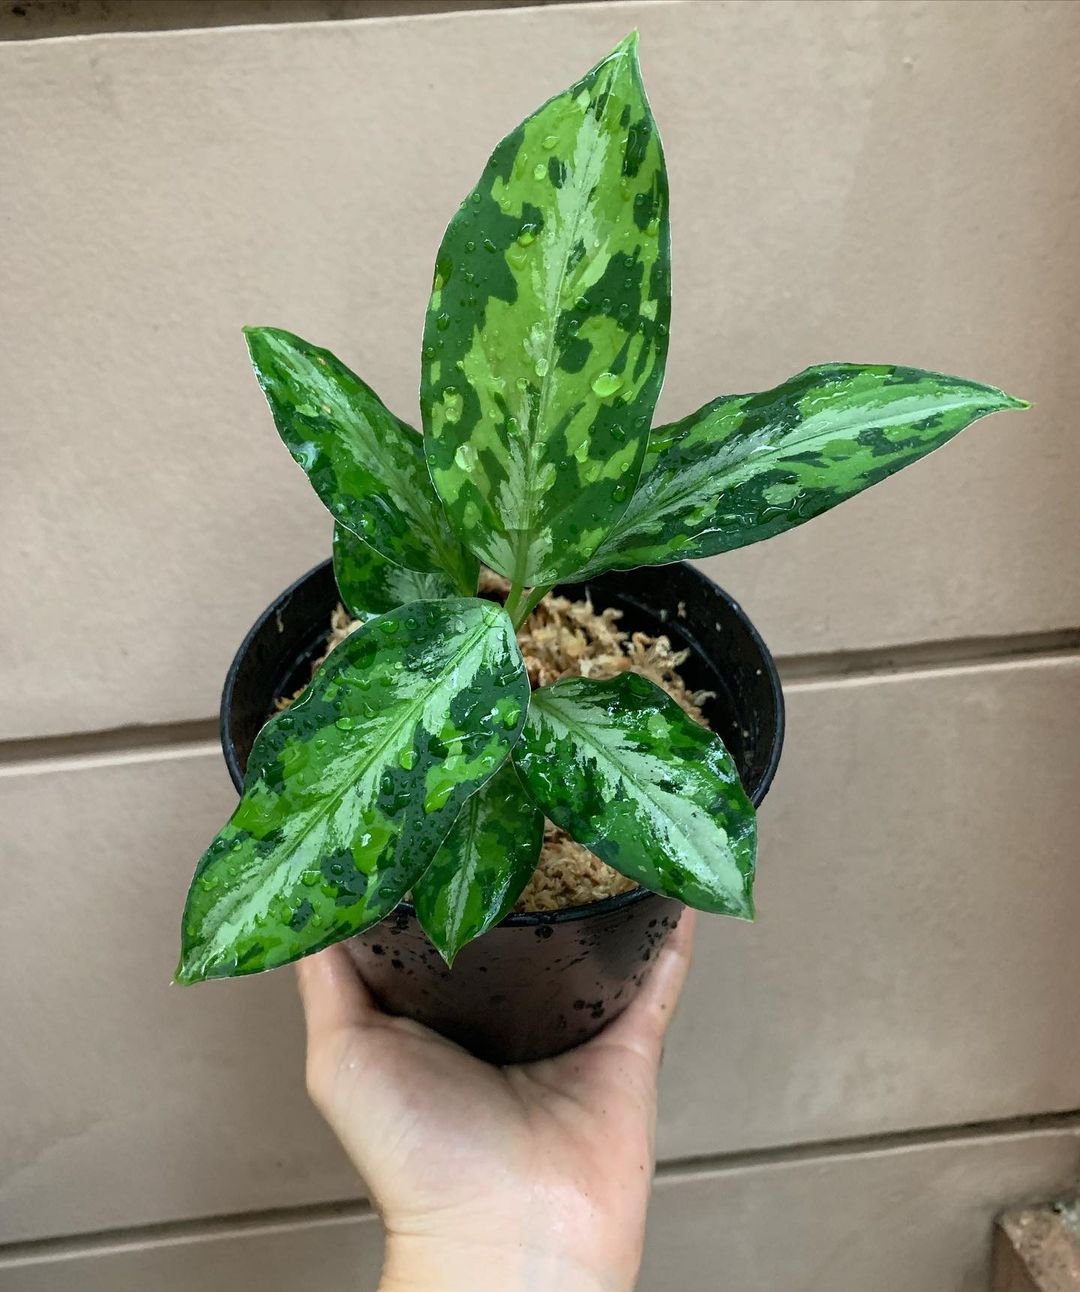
x=856 y=181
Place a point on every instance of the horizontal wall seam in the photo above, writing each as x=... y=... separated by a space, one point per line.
x=799 y=672
x=117 y=744
x=922 y=657
x=175 y=1233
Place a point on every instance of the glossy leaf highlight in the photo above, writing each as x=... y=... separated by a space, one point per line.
x=349 y=793
x=746 y=467
x=366 y=465
x=546 y=333
x=371 y=585
x=484 y=863
x=624 y=771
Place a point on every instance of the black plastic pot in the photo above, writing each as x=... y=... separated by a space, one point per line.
x=536 y=984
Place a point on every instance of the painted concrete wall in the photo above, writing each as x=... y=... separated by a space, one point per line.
x=858 y=1082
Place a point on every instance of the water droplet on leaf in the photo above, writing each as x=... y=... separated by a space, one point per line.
x=452 y=404
x=605 y=384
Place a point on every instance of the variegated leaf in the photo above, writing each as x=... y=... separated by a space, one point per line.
x=371 y=585
x=546 y=333
x=349 y=793
x=366 y=465
x=624 y=771
x=484 y=862
x=746 y=467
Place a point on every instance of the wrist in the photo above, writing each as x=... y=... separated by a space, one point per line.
x=414 y=1263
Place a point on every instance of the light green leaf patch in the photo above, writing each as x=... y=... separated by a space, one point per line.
x=746 y=467
x=484 y=863
x=365 y=464
x=371 y=585
x=624 y=771
x=349 y=793
x=546 y=333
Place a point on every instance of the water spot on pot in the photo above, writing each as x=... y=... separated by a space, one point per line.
x=545 y=931
x=397 y=964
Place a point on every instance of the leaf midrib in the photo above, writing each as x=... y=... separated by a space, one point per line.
x=677 y=496
x=461 y=894
x=523 y=542
x=645 y=788
x=332 y=801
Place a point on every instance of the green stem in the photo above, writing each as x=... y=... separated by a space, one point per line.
x=513 y=602
x=535 y=597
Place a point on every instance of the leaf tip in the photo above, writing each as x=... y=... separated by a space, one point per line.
x=448 y=950
x=628 y=47
x=1012 y=402
x=187 y=973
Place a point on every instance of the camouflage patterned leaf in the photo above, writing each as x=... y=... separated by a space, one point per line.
x=349 y=794
x=371 y=585
x=546 y=333
x=485 y=861
x=366 y=465
x=746 y=467
x=624 y=771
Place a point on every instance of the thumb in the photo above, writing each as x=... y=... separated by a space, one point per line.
x=642 y=1026
x=337 y=1006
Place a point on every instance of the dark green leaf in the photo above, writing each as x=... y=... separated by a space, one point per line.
x=546 y=333
x=746 y=467
x=371 y=585
x=349 y=793
x=624 y=771
x=485 y=861
x=366 y=465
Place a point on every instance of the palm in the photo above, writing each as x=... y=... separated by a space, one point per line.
x=560 y=1147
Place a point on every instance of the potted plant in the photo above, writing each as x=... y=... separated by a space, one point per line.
x=410 y=781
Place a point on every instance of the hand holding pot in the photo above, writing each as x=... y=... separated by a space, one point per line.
x=535 y=1176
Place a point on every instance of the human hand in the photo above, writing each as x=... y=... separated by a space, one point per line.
x=530 y=1177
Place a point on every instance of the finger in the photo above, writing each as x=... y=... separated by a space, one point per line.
x=333 y=994
x=645 y=1021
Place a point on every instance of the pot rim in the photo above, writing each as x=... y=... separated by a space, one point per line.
x=567 y=914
